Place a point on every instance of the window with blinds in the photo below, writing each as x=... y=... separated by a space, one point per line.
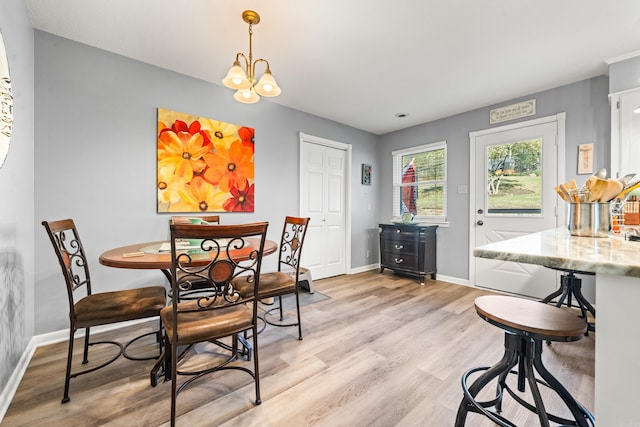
x=420 y=182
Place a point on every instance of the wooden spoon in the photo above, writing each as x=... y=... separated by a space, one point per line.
x=614 y=187
x=588 y=187
x=598 y=187
x=564 y=195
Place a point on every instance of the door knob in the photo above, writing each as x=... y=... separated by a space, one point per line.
x=480 y=222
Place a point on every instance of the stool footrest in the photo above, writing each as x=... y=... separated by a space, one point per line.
x=525 y=353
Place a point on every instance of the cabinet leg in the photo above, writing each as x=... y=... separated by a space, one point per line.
x=381 y=270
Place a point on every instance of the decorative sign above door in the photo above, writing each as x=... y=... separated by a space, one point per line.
x=512 y=112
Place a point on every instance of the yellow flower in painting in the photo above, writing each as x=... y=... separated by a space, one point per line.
x=169 y=185
x=182 y=152
x=199 y=196
x=220 y=132
x=230 y=168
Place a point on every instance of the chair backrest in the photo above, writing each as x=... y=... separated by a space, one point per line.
x=71 y=256
x=226 y=252
x=209 y=219
x=291 y=242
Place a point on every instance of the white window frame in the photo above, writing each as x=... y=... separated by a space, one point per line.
x=397 y=180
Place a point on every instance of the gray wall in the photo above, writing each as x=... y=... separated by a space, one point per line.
x=624 y=75
x=96 y=154
x=587 y=121
x=16 y=190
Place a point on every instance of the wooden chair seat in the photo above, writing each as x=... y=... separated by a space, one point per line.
x=119 y=306
x=531 y=318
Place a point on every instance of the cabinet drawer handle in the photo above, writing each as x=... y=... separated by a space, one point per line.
x=398 y=261
x=398 y=246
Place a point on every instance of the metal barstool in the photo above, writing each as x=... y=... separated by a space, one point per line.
x=571 y=288
x=526 y=324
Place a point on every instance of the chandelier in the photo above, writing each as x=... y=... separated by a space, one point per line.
x=243 y=80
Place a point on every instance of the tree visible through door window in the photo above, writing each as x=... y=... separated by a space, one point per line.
x=514 y=179
x=420 y=182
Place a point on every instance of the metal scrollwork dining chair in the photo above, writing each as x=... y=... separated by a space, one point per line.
x=88 y=309
x=219 y=312
x=285 y=280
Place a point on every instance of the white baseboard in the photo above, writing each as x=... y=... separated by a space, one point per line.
x=14 y=380
x=454 y=280
x=363 y=269
x=9 y=391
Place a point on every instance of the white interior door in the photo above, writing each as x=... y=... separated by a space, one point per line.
x=515 y=169
x=323 y=196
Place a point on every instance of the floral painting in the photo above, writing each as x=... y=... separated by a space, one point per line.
x=204 y=165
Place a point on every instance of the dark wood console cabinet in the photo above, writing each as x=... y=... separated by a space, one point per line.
x=408 y=249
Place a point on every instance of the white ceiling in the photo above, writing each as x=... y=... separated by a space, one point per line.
x=359 y=62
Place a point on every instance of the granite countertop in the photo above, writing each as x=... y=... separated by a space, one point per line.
x=556 y=248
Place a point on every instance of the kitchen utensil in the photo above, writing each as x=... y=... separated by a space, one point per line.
x=598 y=187
x=571 y=192
x=632 y=181
x=614 y=187
x=601 y=173
x=625 y=179
x=579 y=195
x=564 y=195
x=624 y=193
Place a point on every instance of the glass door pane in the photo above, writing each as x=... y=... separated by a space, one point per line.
x=514 y=178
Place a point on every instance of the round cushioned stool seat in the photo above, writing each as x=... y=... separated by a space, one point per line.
x=526 y=324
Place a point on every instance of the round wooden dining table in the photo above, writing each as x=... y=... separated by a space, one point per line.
x=147 y=256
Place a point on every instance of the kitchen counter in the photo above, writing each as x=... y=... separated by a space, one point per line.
x=557 y=249
x=616 y=263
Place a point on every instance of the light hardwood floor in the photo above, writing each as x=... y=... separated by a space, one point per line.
x=382 y=351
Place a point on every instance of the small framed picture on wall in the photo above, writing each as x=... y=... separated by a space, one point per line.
x=585 y=158
x=366 y=174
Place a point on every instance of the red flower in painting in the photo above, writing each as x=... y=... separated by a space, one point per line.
x=246 y=135
x=241 y=200
x=194 y=128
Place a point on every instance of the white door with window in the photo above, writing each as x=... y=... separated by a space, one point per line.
x=514 y=171
x=323 y=190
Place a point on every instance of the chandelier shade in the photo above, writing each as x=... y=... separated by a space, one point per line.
x=236 y=78
x=267 y=85
x=244 y=80
x=246 y=96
